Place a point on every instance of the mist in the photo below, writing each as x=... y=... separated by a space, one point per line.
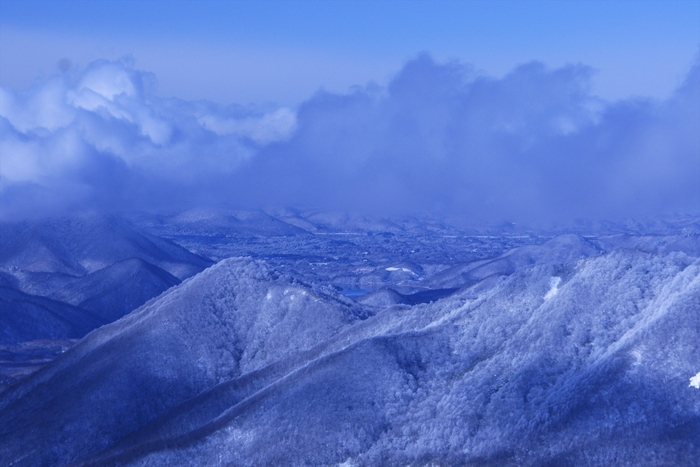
x=533 y=146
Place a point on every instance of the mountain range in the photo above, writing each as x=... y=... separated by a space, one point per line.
x=574 y=351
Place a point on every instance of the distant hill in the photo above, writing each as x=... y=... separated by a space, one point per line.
x=115 y=290
x=216 y=222
x=25 y=317
x=68 y=275
x=560 y=250
x=82 y=244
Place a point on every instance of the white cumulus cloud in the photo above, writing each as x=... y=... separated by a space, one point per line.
x=105 y=133
x=534 y=145
x=270 y=127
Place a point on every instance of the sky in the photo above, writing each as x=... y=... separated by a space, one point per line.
x=494 y=110
x=283 y=51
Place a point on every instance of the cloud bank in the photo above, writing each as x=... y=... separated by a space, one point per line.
x=535 y=145
x=103 y=139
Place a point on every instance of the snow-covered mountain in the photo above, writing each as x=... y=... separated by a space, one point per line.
x=234 y=318
x=66 y=276
x=27 y=317
x=81 y=244
x=558 y=355
x=560 y=250
x=216 y=222
x=115 y=290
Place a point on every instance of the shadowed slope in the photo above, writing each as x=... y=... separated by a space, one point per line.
x=118 y=289
x=25 y=317
x=82 y=244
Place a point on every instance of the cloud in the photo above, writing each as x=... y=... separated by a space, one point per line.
x=102 y=138
x=533 y=146
x=271 y=127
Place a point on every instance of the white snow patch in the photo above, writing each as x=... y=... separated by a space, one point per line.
x=695 y=381
x=637 y=357
x=392 y=269
x=554 y=287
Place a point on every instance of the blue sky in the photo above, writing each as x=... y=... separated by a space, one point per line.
x=283 y=51
x=540 y=111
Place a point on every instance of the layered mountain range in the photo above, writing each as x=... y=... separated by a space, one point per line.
x=573 y=351
x=101 y=266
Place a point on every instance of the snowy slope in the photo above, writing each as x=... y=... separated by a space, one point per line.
x=591 y=369
x=382 y=298
x=233 y=318
x=17 y=361
x=99 y=263
x=81 y=244
x=560 y=250
x=387 y=297
x=571 y=357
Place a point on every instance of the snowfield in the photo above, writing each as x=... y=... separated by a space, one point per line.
x=563 y=353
